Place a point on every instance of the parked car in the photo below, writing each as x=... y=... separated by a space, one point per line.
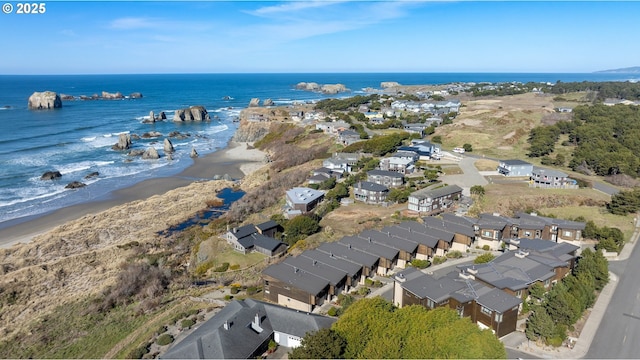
x=458 y=150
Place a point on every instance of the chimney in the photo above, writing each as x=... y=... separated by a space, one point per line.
x=315 y=262
x=257 y=319
x=295 y=269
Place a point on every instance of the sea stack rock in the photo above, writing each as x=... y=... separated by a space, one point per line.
x=193 y=113
x=51 y=175
x=44 y=100
x=135 y=95
x=333 y=88
x=124 y=142
x=152 y=117
x=389 y=84
x=112 y=96
x=162 y=116
x=194 y=153
x=75 y=185
x=151 y=154
x=311 y=86
x=92 y=175
x=267 y=102
x=168 y=146
x=255 y=102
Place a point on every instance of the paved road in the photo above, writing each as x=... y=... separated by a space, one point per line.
x=470 y=177
x=619 y=332
x=607 y=189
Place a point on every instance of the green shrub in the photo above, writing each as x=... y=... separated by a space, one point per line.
x=164 y=339
x=437 y=260
x=554 y=341
x=139 y=352
x=333 y=311
x=484 y=258
x=486 y=248
x=222 y=268
x=252 y=290
x=203 y=268
x=364 y=291
x=162 y=329
x=377 y=284
x=234 y=267
x=187 y=323
x=455 y=254
x=228 y=297
x=235 y=290
x=368 y=282
x=420 y=264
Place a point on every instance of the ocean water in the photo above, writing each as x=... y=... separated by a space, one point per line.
x=76 y=140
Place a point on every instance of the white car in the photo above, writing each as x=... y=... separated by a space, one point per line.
x=458 y=150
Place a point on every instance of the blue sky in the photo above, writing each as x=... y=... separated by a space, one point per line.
x=87 y=37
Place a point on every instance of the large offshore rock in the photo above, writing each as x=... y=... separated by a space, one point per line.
x=255 y=102
x=112 y=96
x=124 y=142
x=151 y=154
x=193 y=113
x=51 y=175
x=168 y=146
x=44 y=100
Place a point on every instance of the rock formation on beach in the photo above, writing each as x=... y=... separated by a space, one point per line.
x=193 y=113
x=44 y=101
x=168 y=146
x=151 y=154
x=51 y=175
x=389 y=84
x=255 y=102
x=267 y=102
x=112 y=96
x=124 y=142
x=75 y=185
x=326 y=89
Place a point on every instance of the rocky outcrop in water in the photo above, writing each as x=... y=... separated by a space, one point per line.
x=44 y=101
x=326 y=89
x=135 y=95
x=51 y=175
x=112 y=96
x=124 y=142
x=268 y=102
x=255 y=102
x=135 y=152
x=389 y=84
x=65 y=97
x=75 y=185
x=91 y=175
x=168 y=146
x=193 y=113
x=151 y=154
x=194 y=153
x=151 y=134
x=308 y=86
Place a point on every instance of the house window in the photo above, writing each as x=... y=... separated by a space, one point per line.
x=444 y=302
x=488 y=234
x=567 y=233
x=527 y=233
x=519 y=293
x=486 y=310
x=546 y=283
x=498 y=317
x=266 y=282
x=430 y=303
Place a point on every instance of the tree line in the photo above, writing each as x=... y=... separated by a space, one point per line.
x=605 y=89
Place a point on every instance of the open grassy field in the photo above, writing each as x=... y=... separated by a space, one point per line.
x=486 y=165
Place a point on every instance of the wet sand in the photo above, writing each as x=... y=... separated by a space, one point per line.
x=236 y=160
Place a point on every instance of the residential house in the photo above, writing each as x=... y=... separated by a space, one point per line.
x=348 y=137
x=328 y=172
x=391 y=179
x=463 y=234
x=353 y=270
x=332 y=127
x=492 y=229
x=388 y=257
x=434 y=201
x=407 y=249
x=444 y=239
x=368 y=262
x=515 y=168
x=401 y=165
x=258 y=238
x=370 y=193
x=303 y=199
x=292 y=287
x=557 y=230
x=335 y=277
x=427 y=244
x=488 y=307
x=318 y=179
x=550 y=178
x=243 y=330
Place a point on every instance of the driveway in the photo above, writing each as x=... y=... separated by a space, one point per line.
x=470 y=176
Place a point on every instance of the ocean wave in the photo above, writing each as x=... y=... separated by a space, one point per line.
x=88 y=139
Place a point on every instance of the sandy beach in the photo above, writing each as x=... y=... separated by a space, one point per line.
x=237 y=160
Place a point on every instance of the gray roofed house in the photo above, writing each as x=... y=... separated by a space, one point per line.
x=294 y=276
x=515 y=168
x=551 y=178
x=353 y=270
x=368 y=261
x=370 y=247
x=335 y=277
x=303 y=199
x=370 y=193
x=258 y=238
x=454 y=227
x=267 y=226
x=432 y=201
x=243 y=329
x=318 y=179
x=498 y=300
x=386 y=178
x=386 y=238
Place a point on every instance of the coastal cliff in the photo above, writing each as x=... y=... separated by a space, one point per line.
x=251 y=131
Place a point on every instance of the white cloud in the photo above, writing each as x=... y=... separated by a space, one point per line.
x=292 y=7
x=130 y=23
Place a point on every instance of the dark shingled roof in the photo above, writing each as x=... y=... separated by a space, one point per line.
x=495 y=222
x=296 y=277
x=370 y=247
x=432 y=222
x=498 y=300
x=562 y=224
x=265 y=242
x=349 y=267
x=244 y=231
x=267 y=225
x=390 y=241
x=393 y=174
x=365 y=185
x=350 y=254
x=332 y=275
x=436 y=193
x=212 y=341
x=411 y=235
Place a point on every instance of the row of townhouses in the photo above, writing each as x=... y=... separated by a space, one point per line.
x=315 y=276
x=538 y=176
